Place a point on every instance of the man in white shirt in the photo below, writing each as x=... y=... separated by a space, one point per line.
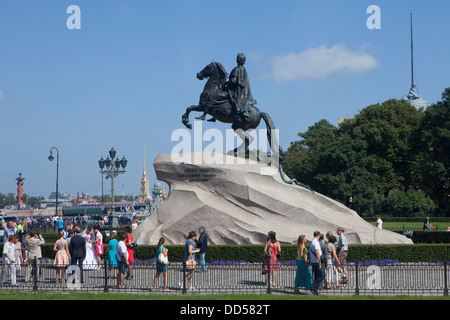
x=8 y=261
x=122 y=260
x=342 y=251
x=379 y=223
x=316 y=263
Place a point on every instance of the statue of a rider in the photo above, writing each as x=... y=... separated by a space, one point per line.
x=239 y=89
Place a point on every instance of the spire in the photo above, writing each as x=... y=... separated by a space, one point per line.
x=412 y=51
x=145 y=170
x=413 y=97
x=144 y=192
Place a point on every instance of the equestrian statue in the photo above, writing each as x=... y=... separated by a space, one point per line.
x=232 y=102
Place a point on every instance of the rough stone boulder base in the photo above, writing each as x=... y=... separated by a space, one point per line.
x=239 y=201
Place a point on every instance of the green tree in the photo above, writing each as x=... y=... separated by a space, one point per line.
x=387 y=130
x=342 y=175
x=432 y=142
x=408 y=204
x=302 y=156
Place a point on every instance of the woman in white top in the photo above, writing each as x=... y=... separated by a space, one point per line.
x=332 y=274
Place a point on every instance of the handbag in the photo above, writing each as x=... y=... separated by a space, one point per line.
x=190 y=263
x=163 y=259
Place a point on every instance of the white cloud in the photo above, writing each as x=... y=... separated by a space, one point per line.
x=2 y=95
x=319 y=63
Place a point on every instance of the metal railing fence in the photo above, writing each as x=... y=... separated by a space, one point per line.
x=241 y=278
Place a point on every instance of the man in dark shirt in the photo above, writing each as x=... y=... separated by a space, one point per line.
x=202 y=244
x=77 y=249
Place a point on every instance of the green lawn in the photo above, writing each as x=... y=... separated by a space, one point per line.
x=415 y=226
x=196 y=297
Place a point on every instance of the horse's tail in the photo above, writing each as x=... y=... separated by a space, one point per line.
x=277 y=151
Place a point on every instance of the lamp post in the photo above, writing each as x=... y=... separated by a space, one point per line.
x=111 y=168
x=50 y=157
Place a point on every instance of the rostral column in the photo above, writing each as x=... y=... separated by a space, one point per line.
x=20 y=189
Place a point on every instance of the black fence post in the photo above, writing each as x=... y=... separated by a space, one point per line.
x=183 y=283
x=35 y=275
x=356 y=279
x=269 y=289
x=445 y=278
x=106 y=288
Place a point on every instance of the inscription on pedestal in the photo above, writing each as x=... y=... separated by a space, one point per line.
x=196 y=175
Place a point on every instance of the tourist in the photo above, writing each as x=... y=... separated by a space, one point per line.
x=62 y=257
x=23 y=233
x=189 y=257
x=202 y=244
x=8 y=261
x=129 y=243
x=17 y=252
x=70 y=235
x=77 y=251
x=98 y=244
x=90 y=261
x=69 y=227
x=34 y=243
x=111 y=252
x=303 y=273
x=160 y=267
x=379 y=223
x=8 y=230
x=316 y=264
x=332 y=274
x=323 y=260
x=122 y=260
x=60 y=224
x=342 y=251
x=272 y=252
x=427 y=225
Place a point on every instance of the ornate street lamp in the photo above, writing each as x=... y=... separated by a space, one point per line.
x=51 y=158
x=112 y=170
x=101 y=164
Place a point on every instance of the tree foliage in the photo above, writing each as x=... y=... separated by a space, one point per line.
x=388 y=155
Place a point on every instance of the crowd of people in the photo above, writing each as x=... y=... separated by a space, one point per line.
x=322 y=266
x=74 y=246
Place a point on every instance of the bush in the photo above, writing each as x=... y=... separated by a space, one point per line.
x=254 y=253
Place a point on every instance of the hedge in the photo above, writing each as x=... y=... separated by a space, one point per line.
x=254 y=253
x=407 y=219
x=430 y=236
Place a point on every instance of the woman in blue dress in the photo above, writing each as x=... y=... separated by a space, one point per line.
x=303 y=276
x=160 y=267
x=111 y=254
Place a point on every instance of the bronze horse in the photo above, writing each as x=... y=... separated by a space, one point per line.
x=215 y=101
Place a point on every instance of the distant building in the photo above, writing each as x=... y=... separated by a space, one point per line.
x=64 y=199
x=413 y=97
x=342 y=120
x=144 y=192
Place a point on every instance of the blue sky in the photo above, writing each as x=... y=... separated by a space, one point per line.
x=126 y=77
